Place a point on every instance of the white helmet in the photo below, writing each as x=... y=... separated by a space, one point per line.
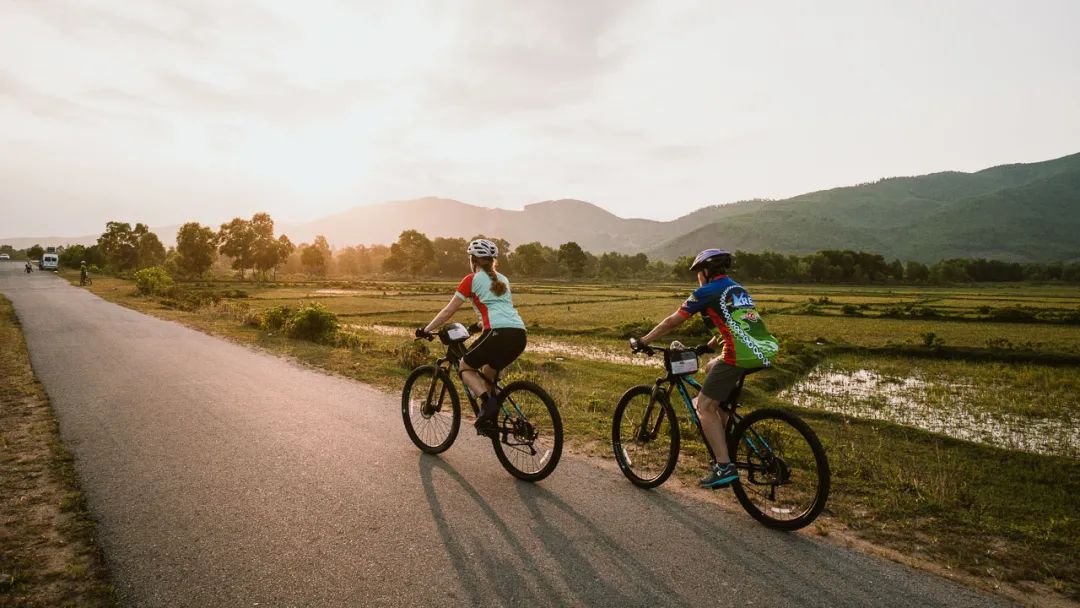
x=483 y=248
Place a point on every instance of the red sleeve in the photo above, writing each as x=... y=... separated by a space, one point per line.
x=464 y=289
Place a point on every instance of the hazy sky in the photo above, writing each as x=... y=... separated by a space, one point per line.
x=169 y=111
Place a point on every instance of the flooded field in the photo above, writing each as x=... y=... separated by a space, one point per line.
x=997 y=412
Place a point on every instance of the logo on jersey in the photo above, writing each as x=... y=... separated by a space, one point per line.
x=741 y=300
x=751 y=316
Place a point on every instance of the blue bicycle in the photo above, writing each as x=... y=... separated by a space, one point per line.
x=784 y=473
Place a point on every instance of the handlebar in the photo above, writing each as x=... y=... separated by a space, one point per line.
x=637 y=346
x=421 y=334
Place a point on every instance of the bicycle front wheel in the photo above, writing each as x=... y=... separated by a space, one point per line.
x=784 y=473
x=645 y=437
x=431 y=409
x=530 y=437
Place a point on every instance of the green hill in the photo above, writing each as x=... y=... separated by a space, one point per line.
x=1022 y=212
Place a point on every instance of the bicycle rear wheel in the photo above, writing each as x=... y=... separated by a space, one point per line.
x=645 y=437
x=784 y=480
x=529 y=443
x=431 y=409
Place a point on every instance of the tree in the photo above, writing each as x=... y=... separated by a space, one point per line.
x=35 y=252
x=267 y=252
x=148 y=248
x=237 y=239
x=196 y=248
x=412 y=253
x=316 y=257
x=119 y=245
x=529 y=259
x=573 y=258
x=450 y=259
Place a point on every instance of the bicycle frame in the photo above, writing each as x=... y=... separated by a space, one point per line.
x=679 y=382
x=452 y=360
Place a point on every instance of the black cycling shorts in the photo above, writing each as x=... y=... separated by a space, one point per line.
x=496 y=347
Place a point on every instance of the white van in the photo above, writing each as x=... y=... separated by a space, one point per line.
x=50 y=261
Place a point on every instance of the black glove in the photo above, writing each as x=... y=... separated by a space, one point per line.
x=476 y=328
x=638 y=346
x=423 y=333
x=701 y=349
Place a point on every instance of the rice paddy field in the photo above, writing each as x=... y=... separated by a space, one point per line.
x=951 y=415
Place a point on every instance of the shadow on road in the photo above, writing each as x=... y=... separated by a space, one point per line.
x=610 y=576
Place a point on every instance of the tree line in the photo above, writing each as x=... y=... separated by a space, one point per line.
x=244 y=245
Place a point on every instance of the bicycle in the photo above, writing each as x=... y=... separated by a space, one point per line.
x=529 y=440
x=784 y=472
x=85 y=281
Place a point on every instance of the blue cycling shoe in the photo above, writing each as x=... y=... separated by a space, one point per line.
x=721 y=476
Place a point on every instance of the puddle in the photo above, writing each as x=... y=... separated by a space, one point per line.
x=947 y=408
x=548 y=347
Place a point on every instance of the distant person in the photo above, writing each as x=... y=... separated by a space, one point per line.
x=29 y=267
x=82 y=272
x=503 y=337
x=728 y=312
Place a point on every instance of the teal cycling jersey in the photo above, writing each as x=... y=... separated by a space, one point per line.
x=495 y=311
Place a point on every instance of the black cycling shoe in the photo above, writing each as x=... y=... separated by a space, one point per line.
x=487 y=423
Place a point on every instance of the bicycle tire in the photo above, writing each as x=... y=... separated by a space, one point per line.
x=436 y=433
x=619 y=443
x=520 y=431
x=775 y=464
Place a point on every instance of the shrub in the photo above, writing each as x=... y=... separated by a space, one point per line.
x=1012 y=315
x=275 y=317
x=313 y=322
x=152 y=280
x=351 y=339
x=850 y=310
x=412 y=354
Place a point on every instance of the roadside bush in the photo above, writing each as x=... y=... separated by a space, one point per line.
x=412 y=354
x=350 y=339
x=313 y=322
x=275 y=318
x=153 y=280
x=850 y=310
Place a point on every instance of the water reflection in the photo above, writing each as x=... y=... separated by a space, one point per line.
x=951 y=409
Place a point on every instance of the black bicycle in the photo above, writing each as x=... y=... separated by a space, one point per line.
x=784 y=473
x=529 y=439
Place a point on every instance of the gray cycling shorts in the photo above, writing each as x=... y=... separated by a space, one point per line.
x=721 y=379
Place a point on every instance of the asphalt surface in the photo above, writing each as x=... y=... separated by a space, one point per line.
x=223 y=476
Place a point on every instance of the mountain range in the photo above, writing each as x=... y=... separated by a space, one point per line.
x=1019 y=212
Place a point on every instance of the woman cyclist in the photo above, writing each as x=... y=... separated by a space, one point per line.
x=503 y=337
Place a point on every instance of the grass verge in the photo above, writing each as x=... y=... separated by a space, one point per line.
x=1007 y=518
x=48 y=555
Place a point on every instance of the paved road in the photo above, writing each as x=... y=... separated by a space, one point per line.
x=222 y=476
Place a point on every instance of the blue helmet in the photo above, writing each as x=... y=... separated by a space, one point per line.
x=711 y=258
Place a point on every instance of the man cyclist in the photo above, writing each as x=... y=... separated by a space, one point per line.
x=728 y=311
x=503 y=337
x=82 y=272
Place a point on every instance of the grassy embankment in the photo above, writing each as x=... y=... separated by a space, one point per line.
x=48 y=556
x=1000 y=515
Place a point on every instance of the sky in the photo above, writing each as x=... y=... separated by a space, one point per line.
x=171 y=111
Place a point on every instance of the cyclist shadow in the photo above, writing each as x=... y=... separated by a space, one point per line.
x=485 y=571
x=481 y=572
x=793 y=563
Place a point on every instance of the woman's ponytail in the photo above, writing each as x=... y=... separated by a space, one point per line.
x=487 y=265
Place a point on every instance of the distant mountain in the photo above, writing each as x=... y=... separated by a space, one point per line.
x=1023 y=212
x=550 y=222
x=1020 y=212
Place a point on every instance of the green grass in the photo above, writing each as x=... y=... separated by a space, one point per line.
x=1006 y=515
